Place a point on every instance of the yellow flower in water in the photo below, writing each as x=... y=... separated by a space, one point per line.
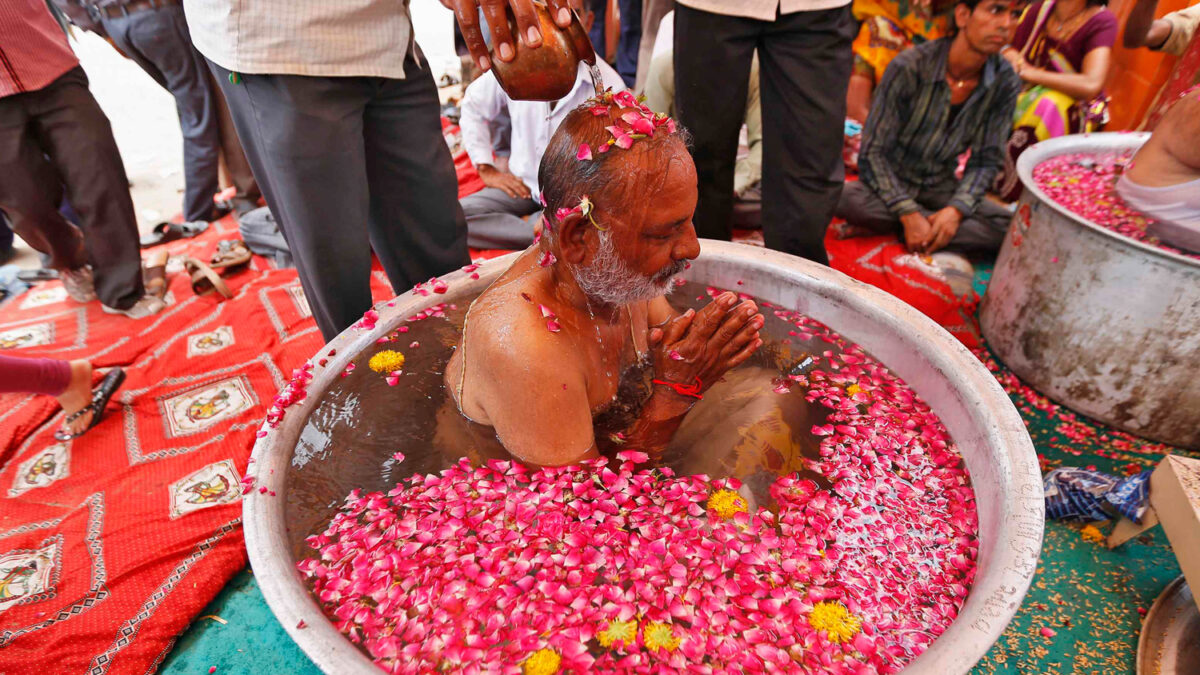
x=625 y=631
x=837 y=621
x=726 y=503
x=658 y=635
x=1091 y=533
x=542 y=662
x=387 y=361
x=853 y=389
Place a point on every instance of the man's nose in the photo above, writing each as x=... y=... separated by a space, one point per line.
x=689 y=245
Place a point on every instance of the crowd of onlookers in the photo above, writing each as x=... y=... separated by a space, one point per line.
x=331 y=107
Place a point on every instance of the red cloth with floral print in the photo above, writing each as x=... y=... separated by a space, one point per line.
x=111 y=544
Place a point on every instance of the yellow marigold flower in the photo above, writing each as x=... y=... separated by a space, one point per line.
x=726 y=503
x=853 y=389
x=625 y=631
x=387 y=361
x=542 y=662
x=658 y=635
x=837 y=621
x=1091 y=533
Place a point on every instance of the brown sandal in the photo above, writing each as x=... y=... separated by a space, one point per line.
x=154 y=274
x=230 y=254
x=204 y=279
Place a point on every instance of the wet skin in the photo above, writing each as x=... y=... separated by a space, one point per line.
x=540 y=390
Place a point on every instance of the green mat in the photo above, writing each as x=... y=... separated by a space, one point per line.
x=1089 y=596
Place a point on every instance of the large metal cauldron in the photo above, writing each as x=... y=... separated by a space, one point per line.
x=1103 y=324
x=977 y=412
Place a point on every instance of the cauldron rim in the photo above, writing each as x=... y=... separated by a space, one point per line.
x=1105 y=141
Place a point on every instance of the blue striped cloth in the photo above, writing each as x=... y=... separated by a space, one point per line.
x=1078 y=494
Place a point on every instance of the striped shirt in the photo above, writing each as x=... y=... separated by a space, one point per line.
x=908 y=143
x=329 y=38
x=33 y=47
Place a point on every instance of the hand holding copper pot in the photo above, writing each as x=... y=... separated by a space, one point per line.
x=541 y=62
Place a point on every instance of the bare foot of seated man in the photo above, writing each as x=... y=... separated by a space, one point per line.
x=545 y=346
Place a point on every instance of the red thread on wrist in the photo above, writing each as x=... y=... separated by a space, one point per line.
x=692 y=390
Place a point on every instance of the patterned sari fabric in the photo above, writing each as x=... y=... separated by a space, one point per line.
x=888 y=28
x=1184 y=77
x=111 y=543
x=1042 y=112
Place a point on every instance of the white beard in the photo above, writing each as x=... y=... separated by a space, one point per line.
x=609 y=280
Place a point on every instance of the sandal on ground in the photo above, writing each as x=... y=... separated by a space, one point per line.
x=154 y=274
x=205 y=279
x=230 y=254
x=165 y=232
x=100 y=397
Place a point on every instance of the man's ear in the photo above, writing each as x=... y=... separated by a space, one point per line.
x=572 y=237
x=962 y=14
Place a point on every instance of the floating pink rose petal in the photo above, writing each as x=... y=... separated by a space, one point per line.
x=584 y=153
x=547 y=259
x=553 y=326
x=674 y=355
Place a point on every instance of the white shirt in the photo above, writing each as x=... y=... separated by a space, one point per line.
x=763 y=10
x=331 y=38
x=533 y=122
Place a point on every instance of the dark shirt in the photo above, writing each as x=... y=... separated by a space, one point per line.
x=908 y=143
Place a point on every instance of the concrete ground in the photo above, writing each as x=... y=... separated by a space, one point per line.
x=146 y=126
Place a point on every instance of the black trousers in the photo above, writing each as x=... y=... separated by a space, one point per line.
x=57 y=139
x=347 y=165
x=804 y=70
x=159 y=42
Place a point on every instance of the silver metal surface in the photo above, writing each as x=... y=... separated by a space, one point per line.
x=1103 y=324
x=1170 y=639
x=977 y=412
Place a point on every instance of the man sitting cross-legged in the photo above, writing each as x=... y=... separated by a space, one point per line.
x=547 y=346
x=935 y=102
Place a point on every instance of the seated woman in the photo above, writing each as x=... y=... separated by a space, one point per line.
x=583 y=313
x=1062 y=50
x=888 y=28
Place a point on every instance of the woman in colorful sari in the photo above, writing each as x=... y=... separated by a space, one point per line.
x=888 y=28
x=1062 y=50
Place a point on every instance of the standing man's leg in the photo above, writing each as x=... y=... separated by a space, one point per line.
x=238 y=167
x=804 y=66
x=630 y=41
x=712 y=71
x=417 y=227
x=496 y=220
x=32 y=189
x=159 y=42
x=303 y=137
x=78 y=138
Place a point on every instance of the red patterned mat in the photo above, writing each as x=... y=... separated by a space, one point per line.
x=110 y=544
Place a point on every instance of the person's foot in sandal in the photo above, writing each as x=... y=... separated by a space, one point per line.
x=76 y=399
x=148 y=305
x=82 y=406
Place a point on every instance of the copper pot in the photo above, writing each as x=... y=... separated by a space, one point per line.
x=548 y=72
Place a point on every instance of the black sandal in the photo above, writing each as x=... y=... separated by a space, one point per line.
x=100 y=397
